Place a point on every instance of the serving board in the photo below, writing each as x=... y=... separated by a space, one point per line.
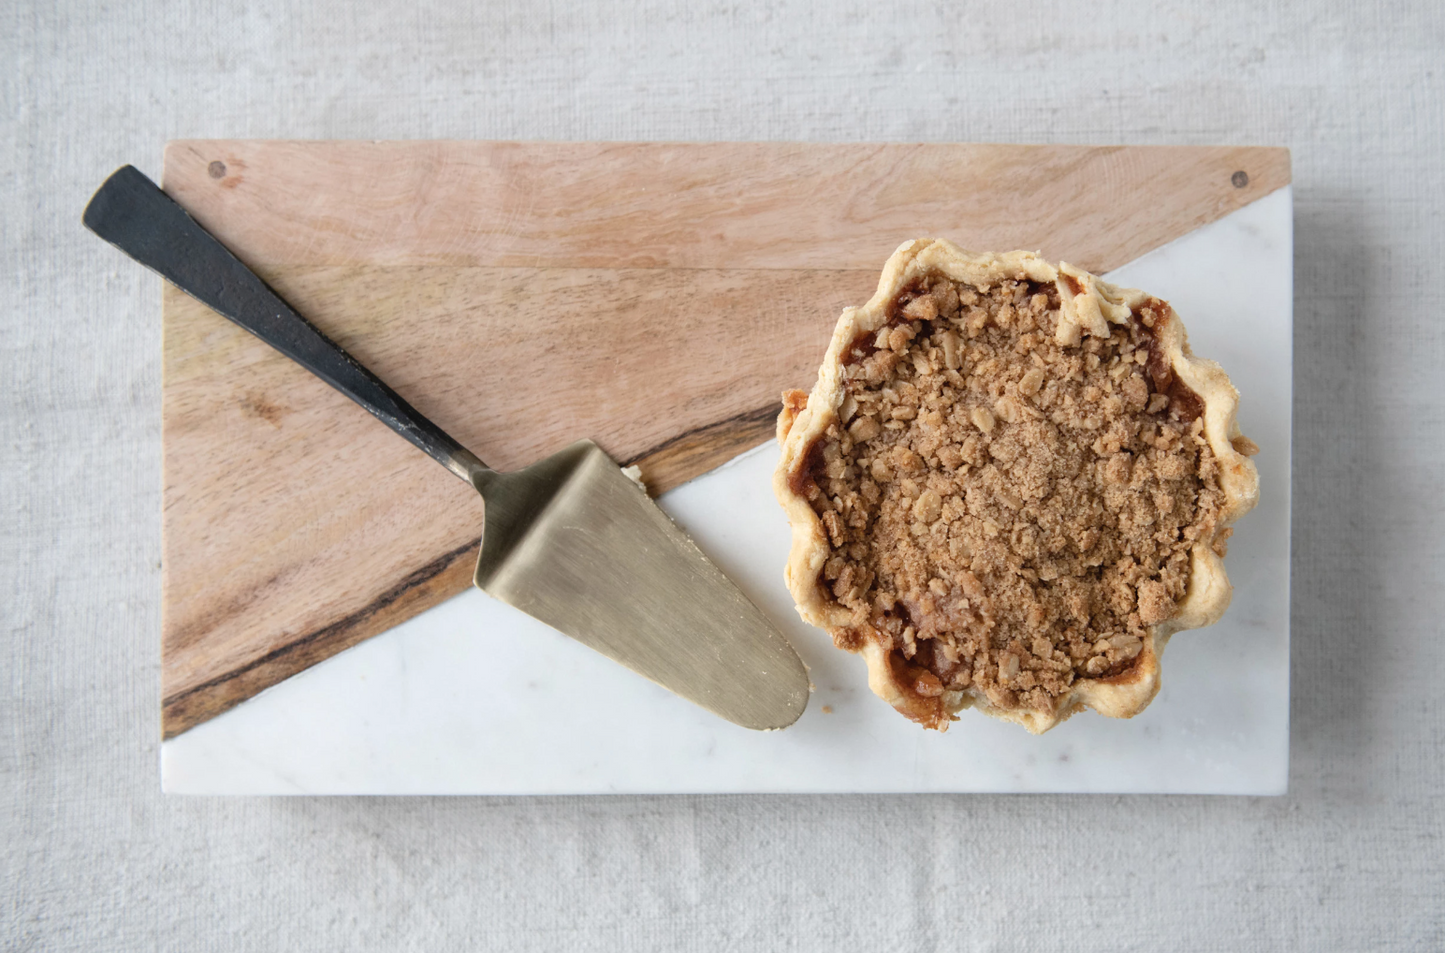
x=655 y=297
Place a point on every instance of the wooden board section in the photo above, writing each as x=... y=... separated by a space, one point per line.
x=654 y=297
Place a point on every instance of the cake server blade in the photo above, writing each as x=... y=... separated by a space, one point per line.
x=570 y=540
x=574 y=542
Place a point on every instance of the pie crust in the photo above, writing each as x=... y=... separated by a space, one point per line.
x=1032 y=608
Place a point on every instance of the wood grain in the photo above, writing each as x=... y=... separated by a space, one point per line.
x=655 y=297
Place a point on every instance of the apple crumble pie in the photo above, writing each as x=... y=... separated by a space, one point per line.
x=1011 y=483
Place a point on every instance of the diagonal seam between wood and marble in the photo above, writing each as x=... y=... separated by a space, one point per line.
x=655 y=297
x=669 y=464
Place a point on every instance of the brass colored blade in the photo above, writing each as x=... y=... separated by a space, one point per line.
x=574 y=543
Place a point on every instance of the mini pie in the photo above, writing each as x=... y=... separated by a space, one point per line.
x=1010 y=485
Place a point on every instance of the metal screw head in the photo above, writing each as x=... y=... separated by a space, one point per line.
x=1240 y=179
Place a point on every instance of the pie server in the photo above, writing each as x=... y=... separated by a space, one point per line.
x=569 y=540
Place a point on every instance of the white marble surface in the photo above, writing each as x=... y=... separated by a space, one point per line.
x=476 y=697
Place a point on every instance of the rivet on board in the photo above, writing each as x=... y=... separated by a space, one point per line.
x=1240 y=178
x=217 y=169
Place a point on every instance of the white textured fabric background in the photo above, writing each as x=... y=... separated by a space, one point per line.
x=94 y=858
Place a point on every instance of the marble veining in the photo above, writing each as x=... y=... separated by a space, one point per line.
x=474 y=697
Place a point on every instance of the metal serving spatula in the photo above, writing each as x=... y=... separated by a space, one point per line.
x=569 y=540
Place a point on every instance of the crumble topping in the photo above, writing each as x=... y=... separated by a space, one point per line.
x=1006 y=513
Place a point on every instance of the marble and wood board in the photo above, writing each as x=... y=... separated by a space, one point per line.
x=655 y=297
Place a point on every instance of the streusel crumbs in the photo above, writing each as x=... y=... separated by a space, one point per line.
x=1006 y=513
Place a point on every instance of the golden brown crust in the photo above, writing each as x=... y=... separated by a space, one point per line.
x=1085 y=306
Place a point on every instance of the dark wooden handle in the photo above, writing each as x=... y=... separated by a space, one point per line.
x=133 y=214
